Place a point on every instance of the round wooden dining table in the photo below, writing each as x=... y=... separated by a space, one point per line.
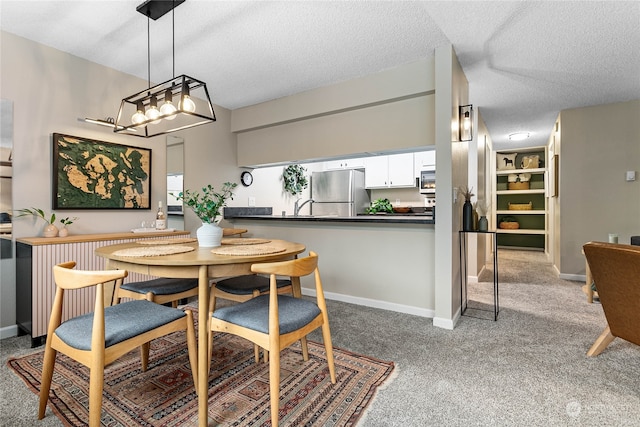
x=200 y=263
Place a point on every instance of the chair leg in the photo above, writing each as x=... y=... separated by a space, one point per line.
x=328 y=347
x=192 y=348
x=49 y=363
x=96 y=385
x=274 y=385
x=305 y=349
x=601 y=343
x=144 y=355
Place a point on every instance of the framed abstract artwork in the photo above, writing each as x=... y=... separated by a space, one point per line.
x=91 y=174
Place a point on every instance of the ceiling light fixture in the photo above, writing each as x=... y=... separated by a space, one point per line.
x=139 y=114
x=519 y=136
x=465 y=122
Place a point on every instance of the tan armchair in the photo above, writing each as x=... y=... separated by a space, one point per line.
x=616 y=270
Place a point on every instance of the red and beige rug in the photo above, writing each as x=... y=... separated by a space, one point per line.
x=164 y=395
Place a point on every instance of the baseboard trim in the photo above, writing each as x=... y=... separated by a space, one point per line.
x=8 y=332
x=443 y=323
x=367 y=302
x=573 y=277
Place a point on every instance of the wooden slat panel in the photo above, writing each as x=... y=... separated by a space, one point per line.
x=79 y=301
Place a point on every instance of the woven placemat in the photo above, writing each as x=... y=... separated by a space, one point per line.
x=176 y=241
x=247 y=250
x=153 y=251
x=243 y=241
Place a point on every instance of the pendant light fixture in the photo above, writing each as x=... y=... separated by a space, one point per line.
x=180 y=103
x=465 y=122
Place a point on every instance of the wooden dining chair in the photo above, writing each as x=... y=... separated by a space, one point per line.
x=97 y=339
x=160 y=290
x=275 y=321
x=243 y=288
x=616 y=271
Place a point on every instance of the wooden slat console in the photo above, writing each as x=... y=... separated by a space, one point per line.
x=35 y=288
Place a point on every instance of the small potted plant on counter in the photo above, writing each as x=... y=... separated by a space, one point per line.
x=64 y=231
x=50 y=230
x=380 y=206
x=207 y=206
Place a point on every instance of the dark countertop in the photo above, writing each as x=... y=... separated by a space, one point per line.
x=386 y=218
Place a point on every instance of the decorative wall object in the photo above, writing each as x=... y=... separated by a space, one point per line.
x=506 y=161
x=91 y=174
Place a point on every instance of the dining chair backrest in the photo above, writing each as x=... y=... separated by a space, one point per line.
x=616 y=273
x=98 y=338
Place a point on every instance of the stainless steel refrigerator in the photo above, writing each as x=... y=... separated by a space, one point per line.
x=339 y=192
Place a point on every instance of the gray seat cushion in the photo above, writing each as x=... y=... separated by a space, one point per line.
x=122 y=321
x=161 y=286
x=244 y=285
x=294 y=313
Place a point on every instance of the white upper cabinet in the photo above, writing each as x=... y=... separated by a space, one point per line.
x=345 y=164
x=392 y=171
x=424 y=160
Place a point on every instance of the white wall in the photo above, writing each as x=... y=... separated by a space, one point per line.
x=599 y=144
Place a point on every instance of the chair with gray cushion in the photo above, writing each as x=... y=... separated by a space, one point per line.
x=161 y=290
x=276 y=321
x=243 y=288
x=99 y=338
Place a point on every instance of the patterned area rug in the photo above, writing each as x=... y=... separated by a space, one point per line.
x=238 y=387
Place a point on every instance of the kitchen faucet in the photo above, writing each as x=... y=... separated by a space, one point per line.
x=296 y=208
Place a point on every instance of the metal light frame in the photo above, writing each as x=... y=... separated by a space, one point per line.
x=465 y=123
x=178 y=88
x=182 y=119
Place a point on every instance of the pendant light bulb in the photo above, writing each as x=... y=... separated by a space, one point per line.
x=186 y=103
x=153 y=113
x=168 y=109
x=139 y=116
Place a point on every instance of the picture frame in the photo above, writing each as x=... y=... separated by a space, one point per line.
x=93 y=174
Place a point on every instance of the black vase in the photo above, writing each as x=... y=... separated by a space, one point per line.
x=467 y=216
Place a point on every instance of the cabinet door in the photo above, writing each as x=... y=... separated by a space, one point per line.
x=401 y=170
x=424 y=159
x=377 y=172
x=345 y=164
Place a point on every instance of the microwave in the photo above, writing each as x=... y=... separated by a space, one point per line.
x=428 y=181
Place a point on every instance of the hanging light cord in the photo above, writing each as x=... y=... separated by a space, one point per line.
x=148 y=52
x=173 y=37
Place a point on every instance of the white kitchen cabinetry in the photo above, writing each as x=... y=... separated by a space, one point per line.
x=392 y=171
x=345 y=164
x=424 y=160
x=532 y=231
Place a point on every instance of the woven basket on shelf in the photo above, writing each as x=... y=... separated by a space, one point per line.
x=518 y=185
x=509 y=225
x=520 y=206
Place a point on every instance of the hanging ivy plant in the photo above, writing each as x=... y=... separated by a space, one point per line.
x=294 y=179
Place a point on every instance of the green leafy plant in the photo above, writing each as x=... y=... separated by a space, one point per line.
x=294 y=179
x=380 y=205
x=68 y=221
x=39 y=213
x=208 y=204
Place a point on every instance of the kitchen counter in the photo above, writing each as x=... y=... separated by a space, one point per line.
x=378 y=218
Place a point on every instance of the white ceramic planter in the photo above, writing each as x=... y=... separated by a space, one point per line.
x=209 y=235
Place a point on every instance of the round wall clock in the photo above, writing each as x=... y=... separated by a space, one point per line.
x=246 y=178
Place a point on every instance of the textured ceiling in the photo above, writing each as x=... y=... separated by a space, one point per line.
x=525 y=61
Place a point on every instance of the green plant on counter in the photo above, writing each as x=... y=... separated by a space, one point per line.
x=294 y=179
x=39 y=213
x=208 y=204
x=68 y=221
x=380 y=205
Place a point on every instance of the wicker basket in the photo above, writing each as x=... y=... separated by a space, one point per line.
x=518 y=185
x=520 y=206
x=509 y=225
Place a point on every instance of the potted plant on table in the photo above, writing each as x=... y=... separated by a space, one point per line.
x=467 y=208
x=207 y=206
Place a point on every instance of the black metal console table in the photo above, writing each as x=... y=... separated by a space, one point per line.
x=464 y=300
